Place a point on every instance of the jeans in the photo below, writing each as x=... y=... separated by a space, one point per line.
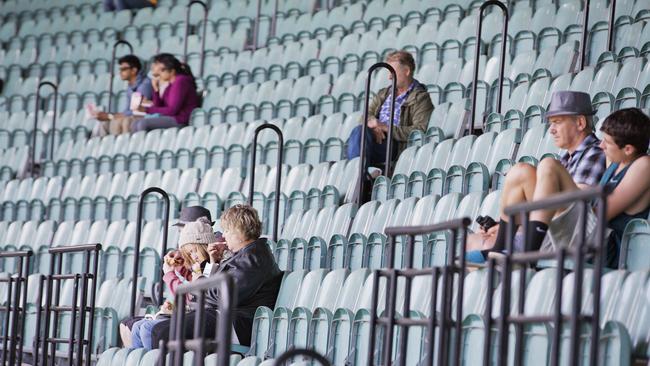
x=375 y=152
x=154 y=123
x=141 y=332
x=116 y=5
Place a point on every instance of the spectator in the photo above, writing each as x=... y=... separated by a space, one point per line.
x=188 y=214
x=180 y=267
x=117 y=5
x=253 y=269
x=413 y=108
x=174 y=107
x=131 y=72
x=626 y=134
x=570 y=117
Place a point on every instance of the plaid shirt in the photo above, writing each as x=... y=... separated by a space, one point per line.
x=587 y=164
x=384 y=112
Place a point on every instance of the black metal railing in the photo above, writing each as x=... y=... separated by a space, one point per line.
x=502 y=63
x=49 y=307
x=581 y=252
x=610 y=26
x=364 y=128
x=445 y=322
x=112 y=71
x=187 y=31
x=286 y=356
x=36 y=110
x=278 y=177
x=13 y=327
x=199 y=343
x=138 y=240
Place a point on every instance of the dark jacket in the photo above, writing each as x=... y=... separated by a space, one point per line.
x=415 y=112
x=257 y=281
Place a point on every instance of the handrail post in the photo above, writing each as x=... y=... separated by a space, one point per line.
x=278 y=177
x=585 y=32
x=389 y=318
x=36 y=109
x=138 y=238
x=274 y=18
x=502 y=64
x=256 y=26
x=225 y=285
x=187 y=31
x=110 y=82
x=610 y=26
x=364 y=127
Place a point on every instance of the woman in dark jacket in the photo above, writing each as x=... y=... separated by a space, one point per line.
x=252 y=266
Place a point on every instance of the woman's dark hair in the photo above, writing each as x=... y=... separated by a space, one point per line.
x=629 y=126
x=169 y=62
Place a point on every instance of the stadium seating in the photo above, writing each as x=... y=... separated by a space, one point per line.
x=307 y=76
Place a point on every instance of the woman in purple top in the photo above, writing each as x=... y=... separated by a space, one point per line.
x=174 y=107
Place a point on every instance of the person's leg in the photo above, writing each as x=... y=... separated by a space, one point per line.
x=115 y=126
x=109 y=5
x=148 y=124
x=135 y=333
x=160 y=332
x=145 y=333
x=519 y=187
x=552 y=178
x=374 y=152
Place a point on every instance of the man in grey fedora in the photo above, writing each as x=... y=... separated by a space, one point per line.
x=570 y=119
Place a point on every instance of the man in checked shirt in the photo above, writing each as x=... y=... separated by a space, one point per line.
x=570 y=118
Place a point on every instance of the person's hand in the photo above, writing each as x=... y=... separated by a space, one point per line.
x=155 y=83
x=216 y=250
x=379 y=135
x=490 y=232
x=372 y=122
x=167 y=268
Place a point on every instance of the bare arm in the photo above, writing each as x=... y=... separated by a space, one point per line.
x=633 y=193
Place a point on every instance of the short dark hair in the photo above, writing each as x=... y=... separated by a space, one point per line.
x=131 y=60
x=629 y=126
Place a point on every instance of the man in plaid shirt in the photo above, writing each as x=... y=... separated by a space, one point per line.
x=570 y=117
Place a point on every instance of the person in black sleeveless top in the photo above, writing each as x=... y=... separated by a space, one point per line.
x=626 y=134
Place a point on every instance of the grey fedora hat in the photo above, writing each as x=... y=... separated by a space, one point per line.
x=570 y=103
x=192 y=213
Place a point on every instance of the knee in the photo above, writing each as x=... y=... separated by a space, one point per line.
x=137 y=126
x=548 y=167
x=520 y=173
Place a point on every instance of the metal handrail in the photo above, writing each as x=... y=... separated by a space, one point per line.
x=458 y=228
x=36 y=109
x=274 y=18
x=224 y=284
x=187 y=31
x=286 y=356
x=583 y=198
x=138 y=239
x=110 y=82
x=585 y=32
x=610 y=26
x=14 y=331
x=502 y=64
x=364 y=126
x=278 y=177
x=51 y=284
x=256 y=25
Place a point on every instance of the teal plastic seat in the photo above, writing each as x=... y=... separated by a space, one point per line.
x=634 y=247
